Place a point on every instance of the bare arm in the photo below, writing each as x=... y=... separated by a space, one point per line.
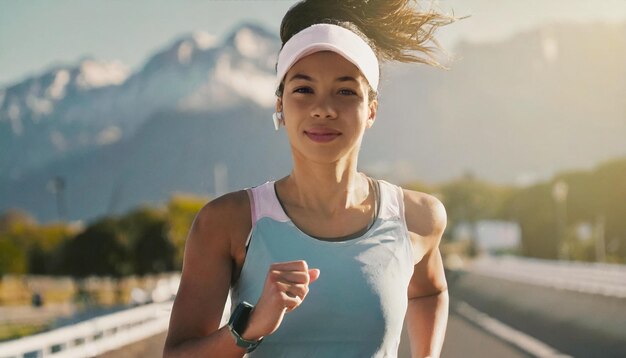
x=205 y=281
x=427 y=312
x=215 y=239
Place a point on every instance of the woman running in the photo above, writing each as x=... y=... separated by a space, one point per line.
x=325 y=262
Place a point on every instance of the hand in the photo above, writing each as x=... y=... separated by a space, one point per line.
x=286 y=286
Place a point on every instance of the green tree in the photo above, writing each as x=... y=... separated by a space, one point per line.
x=182 y=210
x=45 y=244
x=13 y=223
x=535 y=211
x=151 y=250
x=592 y=194
x=12 y=258
x=99 y=250
x=610 y=188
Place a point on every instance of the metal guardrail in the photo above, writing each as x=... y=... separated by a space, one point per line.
x=94 y=336
x=594 y=278
x=105 y=333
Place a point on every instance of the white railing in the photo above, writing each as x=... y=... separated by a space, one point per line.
x=94 y=336
x=594 y=278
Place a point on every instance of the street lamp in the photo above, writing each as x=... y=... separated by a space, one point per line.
x=57 y=187
x=559 y=194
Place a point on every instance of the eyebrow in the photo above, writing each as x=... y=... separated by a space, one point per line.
x=300 y=76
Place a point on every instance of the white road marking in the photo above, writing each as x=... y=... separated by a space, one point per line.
x=525 y=342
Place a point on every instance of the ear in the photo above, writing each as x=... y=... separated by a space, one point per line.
x=279 y=105
x=279 y=109
x=373 y=108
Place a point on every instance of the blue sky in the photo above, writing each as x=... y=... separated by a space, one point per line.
x=37 y=34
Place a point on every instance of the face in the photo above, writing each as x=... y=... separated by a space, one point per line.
x=325 y=107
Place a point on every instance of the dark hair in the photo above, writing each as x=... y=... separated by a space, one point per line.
x=395 y=29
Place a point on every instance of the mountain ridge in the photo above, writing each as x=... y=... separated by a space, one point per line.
x=515 y=111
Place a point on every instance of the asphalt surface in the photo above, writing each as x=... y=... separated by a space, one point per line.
x=574 y=324
x=463 y=340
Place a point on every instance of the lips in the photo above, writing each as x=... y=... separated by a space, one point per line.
x=322 y=135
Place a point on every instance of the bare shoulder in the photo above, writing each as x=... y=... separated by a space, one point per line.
x=210 y=250
x=229 y=213
x=426 y=220
x=215 y=237
x=425 y=216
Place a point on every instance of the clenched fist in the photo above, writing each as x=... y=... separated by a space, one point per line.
x=286 y=286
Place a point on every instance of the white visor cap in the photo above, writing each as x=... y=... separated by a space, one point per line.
x=329 y=37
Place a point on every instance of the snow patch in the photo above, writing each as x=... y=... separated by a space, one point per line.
x=228 y=84
x=99 y=74
x=109 y=135
x=14 y=116
x=184 y=53
x=56 y=90
x=248 y=44
x=209 y=96
x=247 y=81
x=204 y=40
x=39 y=106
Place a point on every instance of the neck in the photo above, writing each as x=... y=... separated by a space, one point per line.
x=326 y=188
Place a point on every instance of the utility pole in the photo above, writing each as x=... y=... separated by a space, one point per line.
x=599 y=239
x=559 y=193
x=57 y=187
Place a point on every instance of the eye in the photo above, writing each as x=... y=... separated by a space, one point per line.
x=347 y=92
x=303 y=90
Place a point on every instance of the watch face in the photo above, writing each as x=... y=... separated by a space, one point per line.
x=238 y=323
x=241 y=316
x=241 y=321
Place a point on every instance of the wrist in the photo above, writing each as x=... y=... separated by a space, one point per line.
x=238 y=323
x=251 y=332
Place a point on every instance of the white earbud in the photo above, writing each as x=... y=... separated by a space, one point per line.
x=277 y=117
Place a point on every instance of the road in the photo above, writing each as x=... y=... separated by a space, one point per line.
x=463 y=339
x=499 y=318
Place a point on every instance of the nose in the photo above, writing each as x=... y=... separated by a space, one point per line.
x=324 y=108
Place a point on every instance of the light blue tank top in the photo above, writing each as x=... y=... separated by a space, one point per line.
x=357 y=306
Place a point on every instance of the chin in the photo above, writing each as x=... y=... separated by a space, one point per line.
x=329 y=156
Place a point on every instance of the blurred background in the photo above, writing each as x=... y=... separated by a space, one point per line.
x=119 y=120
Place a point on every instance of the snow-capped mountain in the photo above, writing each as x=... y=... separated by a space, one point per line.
x=36 y=98
x=73 y=109
x=197 y=117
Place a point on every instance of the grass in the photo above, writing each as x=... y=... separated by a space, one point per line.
x=13 y=331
